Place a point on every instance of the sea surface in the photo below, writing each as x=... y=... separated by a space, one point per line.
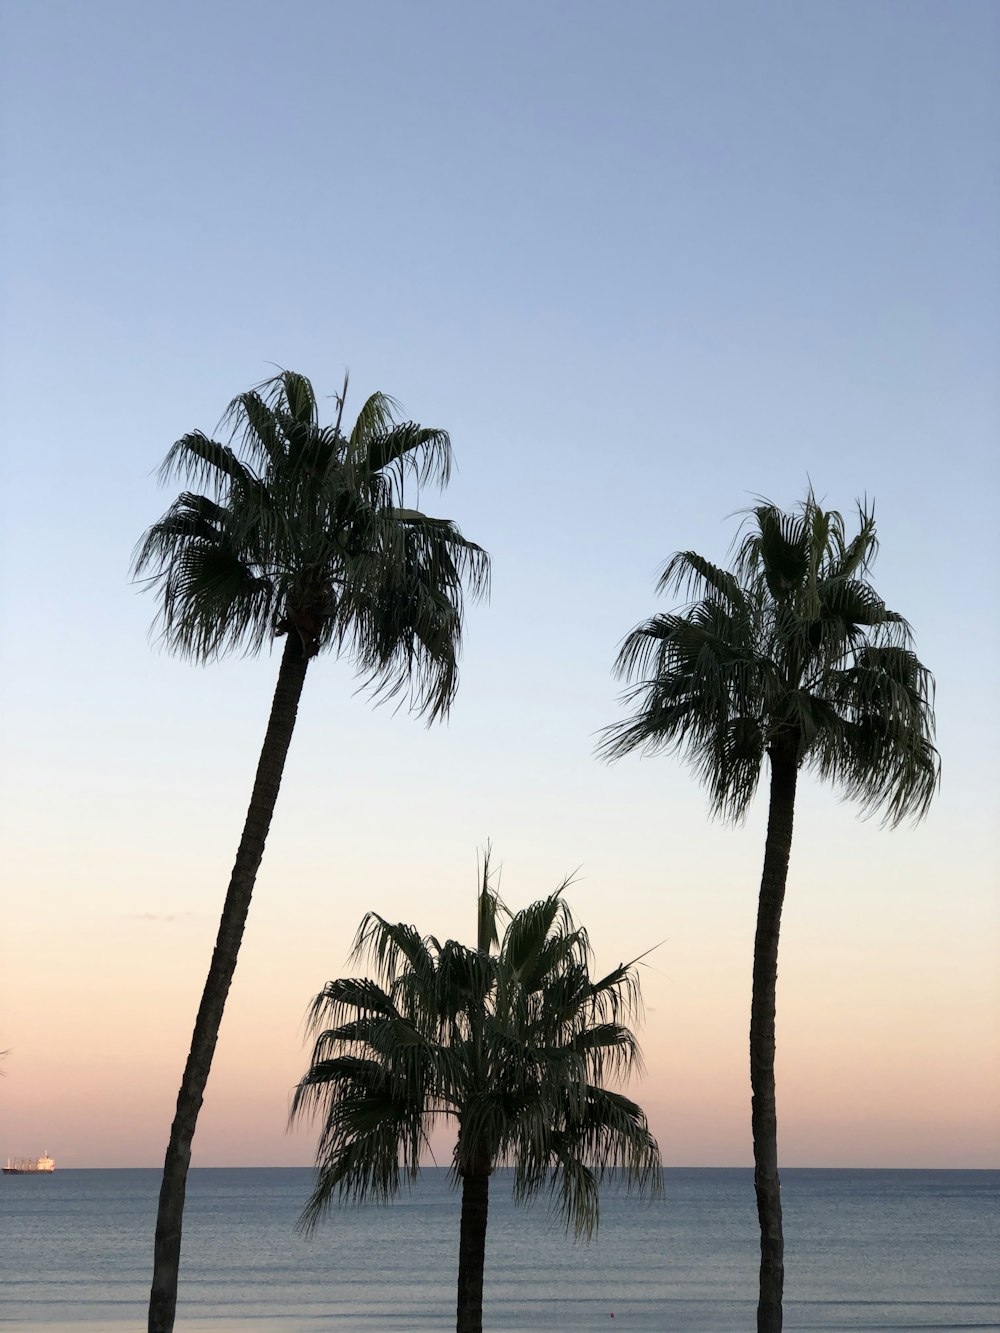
x=865 y=1250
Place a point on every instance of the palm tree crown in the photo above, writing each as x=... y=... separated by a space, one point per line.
x=512 y=1040
x=305 y=528
x=790 y=651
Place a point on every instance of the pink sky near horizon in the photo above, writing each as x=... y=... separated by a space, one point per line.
x=873 y=1068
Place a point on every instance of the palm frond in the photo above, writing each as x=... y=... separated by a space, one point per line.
x=603 y=1134
x=391 y=948
x=854 y=558
x=209 y=595
x=405 y=450
x=294 y=393
x=690 y=574
x=349 y=996
x=527 y=932
x=884 y=756
x=197 y=458
x=257 y=428
x=401 y=606
x=377 y=417
x=490 y=908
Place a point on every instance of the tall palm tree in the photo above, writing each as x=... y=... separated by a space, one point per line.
x=789 y=655
x=299 y=530
x=512 y=1040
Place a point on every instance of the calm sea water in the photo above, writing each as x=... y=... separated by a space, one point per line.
x=866 y=1250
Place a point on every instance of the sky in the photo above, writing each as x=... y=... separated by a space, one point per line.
x=645 y=262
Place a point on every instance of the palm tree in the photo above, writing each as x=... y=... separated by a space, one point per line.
x=792 y=655
x=303 y=533
x=512 y=1040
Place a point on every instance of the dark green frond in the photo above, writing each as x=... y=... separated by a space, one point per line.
x=605 y=1132
x=400 y=612
x=200 y=459
x=407 y=450
x=208 y=593
x=884 y=757
x=288 y=394
x=347 y=997
x=257 y=429
x=392 y=948
x=527 y=932
x=854 y=558
x=689 y=573
x=489 y=908
x=775 y=550
x=376 y=419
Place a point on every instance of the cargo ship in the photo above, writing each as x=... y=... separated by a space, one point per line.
x=30 y=1166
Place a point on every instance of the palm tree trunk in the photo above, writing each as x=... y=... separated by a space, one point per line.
x=169 y=1217
x=784 y=773
x=472 y=1247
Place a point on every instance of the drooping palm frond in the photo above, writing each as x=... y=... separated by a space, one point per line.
x=571 y=1153
x=791 y=646
x=396 y=451
x=393 y=949
x=209 y=593
x=372 y=1124
x=700 y=694
x=688 y=572
x=197 y=458
x=400 y=609
x=887 y=761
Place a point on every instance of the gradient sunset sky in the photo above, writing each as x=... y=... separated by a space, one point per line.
x=645 y=261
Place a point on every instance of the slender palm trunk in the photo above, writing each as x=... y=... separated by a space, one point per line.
x=472 y=1248
x=784 y=772
x=169 y=1217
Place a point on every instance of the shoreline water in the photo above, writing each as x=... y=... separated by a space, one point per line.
x=873 y=1249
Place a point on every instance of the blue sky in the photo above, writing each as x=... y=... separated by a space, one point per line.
x=644 y=262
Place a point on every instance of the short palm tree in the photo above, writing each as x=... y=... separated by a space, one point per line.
x=299 y=530
x=791 y=656
x=512 y=1040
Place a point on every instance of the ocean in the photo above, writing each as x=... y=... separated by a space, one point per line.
x=865 y=1250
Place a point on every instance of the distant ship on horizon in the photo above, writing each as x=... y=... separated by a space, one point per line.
x=30 y=1166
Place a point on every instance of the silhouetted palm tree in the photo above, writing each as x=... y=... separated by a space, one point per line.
x=790 y=655
x=512 y=1040
x=303 y=532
